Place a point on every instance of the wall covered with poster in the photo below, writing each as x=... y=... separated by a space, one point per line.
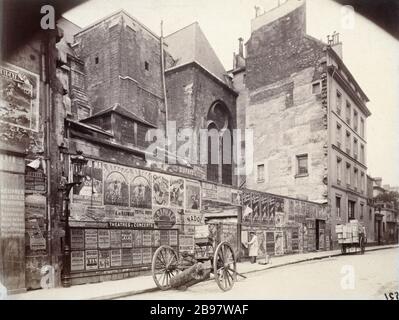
x=288 y=224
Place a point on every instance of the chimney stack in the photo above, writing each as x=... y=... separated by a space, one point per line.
x=241 y=47
x=335 y=44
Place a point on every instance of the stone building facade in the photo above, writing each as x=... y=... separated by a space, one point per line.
x=301 y=101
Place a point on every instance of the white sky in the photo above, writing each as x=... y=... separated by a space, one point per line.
x=370 y=53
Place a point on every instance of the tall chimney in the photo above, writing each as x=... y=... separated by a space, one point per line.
x=241 y=47
x=335 y=44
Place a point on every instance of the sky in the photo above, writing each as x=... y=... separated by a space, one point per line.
x=371 y=54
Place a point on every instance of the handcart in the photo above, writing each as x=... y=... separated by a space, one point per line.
x=167 y=262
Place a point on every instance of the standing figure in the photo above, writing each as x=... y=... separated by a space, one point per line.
x=253 y=246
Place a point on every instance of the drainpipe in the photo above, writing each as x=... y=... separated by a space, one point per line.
x=164 y=85
x=46 y=78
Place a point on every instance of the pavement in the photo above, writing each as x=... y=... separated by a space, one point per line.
x=145 y=284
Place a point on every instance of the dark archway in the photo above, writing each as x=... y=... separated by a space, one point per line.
x=219 y=124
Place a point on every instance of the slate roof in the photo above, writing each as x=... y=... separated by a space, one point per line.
x=189 y=44
x=117 y=108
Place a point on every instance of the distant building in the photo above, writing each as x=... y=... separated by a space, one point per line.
x=308 y=114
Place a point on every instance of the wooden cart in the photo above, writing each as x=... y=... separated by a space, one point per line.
x=351 y=237
x=166 y=262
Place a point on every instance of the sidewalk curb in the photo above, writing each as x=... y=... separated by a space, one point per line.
x=153 y=289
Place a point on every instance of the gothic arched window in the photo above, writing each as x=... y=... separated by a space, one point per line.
x=219 y=167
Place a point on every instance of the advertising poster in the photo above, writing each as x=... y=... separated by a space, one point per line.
x=186 y=243
x=193 y=218
x=127 y=257
x=147 y=255
x=77 y=260
x=224 y=194
x=236 y=197
x=90 y=191
x=173 y=238
x=160 y=190
x=164 y=237
x=279 y=243
x=137 y=238
x=104 y=259
x=147 y=238
x=91 y=238
x=193 y=200
x=176 y=192
x=255 y=207
x=104 y=239
x=91 y=260
x=140 y=189
x=116 y=190
x=137 y=256
x=264 y=204
x=35 y=179
x=156 y=238
x=116 y=257
x=116 y=241
x=164 y=218
x=127 y=239
x=209 y=191
x=19 y=97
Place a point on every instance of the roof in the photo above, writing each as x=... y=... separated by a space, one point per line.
x=119 y=12
x=117 y=108
x=189 y=44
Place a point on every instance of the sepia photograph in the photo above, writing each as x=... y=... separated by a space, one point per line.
x=199 y=151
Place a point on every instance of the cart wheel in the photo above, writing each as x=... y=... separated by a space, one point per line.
x=224 y=266
x=343 y=249
x=362 y=245
x=164 y=266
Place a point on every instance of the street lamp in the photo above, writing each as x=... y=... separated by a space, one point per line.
x=77 y=163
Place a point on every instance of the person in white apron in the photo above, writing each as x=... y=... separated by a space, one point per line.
x=253 y=246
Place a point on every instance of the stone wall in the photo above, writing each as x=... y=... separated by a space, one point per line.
x=123 y=65
x=288 y=119
x=191 y=91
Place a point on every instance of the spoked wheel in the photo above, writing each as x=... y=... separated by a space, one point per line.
x=362 y=245
x=164 y=266
x=224 y=266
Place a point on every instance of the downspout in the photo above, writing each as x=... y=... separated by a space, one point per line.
x=46 y=77
x=329 y=142
x=164 y=85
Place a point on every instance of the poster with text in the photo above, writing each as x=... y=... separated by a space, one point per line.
x=140 y=189
x=77 y=260
x=19 y=97
x=104 y=259
x=91 y=238
x=116 y=241
x=127 y=239
x=137 y=238
x=104 y=239
x=77 y=238
x=147 y=239
x=137 y=256
x=147 y=255
x=91 y=259
x=127 y=257
x=116 y=257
